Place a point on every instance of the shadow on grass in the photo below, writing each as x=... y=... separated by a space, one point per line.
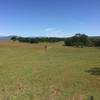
x=94 y=71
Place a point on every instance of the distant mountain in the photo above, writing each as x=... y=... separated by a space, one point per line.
x=5 y=37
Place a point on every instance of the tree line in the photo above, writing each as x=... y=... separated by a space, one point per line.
x=36 y=39
x=78 y=40
x=81 y=40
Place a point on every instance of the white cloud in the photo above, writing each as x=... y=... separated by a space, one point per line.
x=48 y=29
x=52 y=32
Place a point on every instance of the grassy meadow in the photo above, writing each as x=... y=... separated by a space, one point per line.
x=29 y=72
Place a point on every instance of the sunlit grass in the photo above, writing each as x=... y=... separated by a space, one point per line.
x=29 y=72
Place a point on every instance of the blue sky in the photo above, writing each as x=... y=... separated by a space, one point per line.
x=49 y=17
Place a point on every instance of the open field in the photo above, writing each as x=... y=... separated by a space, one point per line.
x=28 y=72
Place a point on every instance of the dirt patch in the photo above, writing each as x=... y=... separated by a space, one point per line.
x=55 y=93
x=78 y=97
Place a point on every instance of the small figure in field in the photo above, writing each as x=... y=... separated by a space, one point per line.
x=45 y=47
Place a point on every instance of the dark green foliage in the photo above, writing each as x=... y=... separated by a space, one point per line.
x=68 y=42
x=81 y=40
x=39 y=39
x=49 y=39
x=96 y=42
x=78 y=40
x=27 y=40
x=14 y=38
x=94 y=71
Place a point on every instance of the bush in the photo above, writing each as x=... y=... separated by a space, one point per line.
x=78 y=40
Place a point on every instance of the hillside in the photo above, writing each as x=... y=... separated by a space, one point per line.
x=5 y=37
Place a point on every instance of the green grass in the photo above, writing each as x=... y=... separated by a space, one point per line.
x=28 y=72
